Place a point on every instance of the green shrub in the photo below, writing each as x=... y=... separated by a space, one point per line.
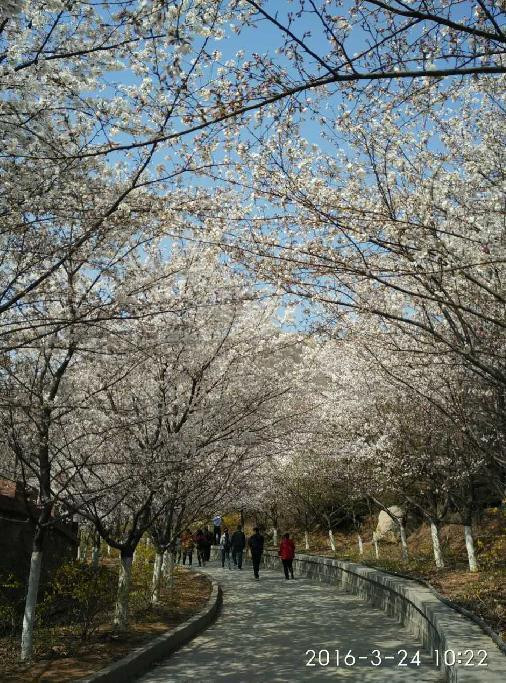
x=141 y=586
x=83 y=594
x=11 y=604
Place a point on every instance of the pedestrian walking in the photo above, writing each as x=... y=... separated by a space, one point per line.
x=238 y=543
x=217 y=528
x=201 y=545
x=225 y=549
x=209 y=542
x=287 y=553
x=256 y=547
x=187 y=544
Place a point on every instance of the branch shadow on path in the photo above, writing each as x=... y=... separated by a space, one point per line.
x=266 y=628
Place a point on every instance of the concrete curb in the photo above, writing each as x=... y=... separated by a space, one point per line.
x=501 y=644
x=142 y=658
x=438 y=626
x=469 y=615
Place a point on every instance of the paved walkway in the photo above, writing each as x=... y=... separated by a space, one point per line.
x=266 y=627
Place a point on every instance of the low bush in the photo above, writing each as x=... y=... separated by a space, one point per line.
x=142 y=576
x=11 y=604
x=80 y=595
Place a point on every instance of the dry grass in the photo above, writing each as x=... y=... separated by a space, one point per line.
x=483 y=592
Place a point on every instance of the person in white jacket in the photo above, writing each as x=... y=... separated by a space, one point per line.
x=225 y=546
x=217 y=528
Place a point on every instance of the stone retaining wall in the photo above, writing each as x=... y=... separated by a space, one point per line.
x=435 y=624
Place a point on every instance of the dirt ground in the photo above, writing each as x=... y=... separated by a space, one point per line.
x=64 y=658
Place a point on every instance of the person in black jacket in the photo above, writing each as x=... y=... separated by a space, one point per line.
x=209 y=541
x=256 y=546
x=238 y=543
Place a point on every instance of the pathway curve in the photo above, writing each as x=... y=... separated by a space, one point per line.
x=266 y=627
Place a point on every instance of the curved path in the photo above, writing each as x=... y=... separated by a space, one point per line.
x=265 y=628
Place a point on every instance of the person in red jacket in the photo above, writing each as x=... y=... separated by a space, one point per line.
x=287 y=553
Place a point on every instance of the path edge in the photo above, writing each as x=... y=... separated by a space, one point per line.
x=488 y=630
x=437 y=624
x=141 y=659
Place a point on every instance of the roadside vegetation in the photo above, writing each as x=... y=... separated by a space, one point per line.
x=483 y=592
x=75 y=634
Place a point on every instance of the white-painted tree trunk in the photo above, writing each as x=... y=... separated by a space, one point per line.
x=331 y=540
x=468 y=534
x=169 y=567
x=30 y=606
x=172 y=559
x=436 y=545
x=79 y=545
x=404 y=542
x=376 y=546
x=95 y=556
x=108 y=549
x=275 y=536
x=165 y=562
x=123 y=596
x=133 y=556
x=360 y=545
x=157 y=576
x=306 y=539
x=147 y=544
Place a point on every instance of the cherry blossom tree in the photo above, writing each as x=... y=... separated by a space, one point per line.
x=134 y=366
x=202 y=399
x=405 y=226
x=72 y=114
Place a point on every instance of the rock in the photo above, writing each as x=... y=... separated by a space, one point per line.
x=387 y=529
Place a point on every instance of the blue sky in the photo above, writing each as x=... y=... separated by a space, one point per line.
x=262 y=40
x=265 y=37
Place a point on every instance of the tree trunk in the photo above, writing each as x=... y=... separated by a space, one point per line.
x=306 y=539
x=169 y=570
x=79 y=545
x=360 y=545
x=436 y=544
x=123 y=595
x=468 y=534
x=274 y=536
x=95 y=555
x=404 y=543
x=157 y=575
x=376 y=546
x=109 y=550
x=46 y=506
x=165 y=562
x=242 y=519
x=31 y=603
x=331 y=540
